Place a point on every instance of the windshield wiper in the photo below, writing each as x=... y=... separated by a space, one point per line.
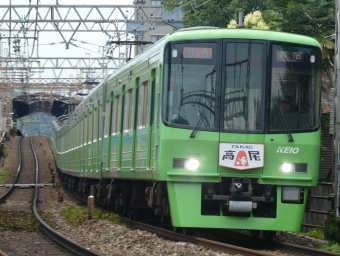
x=290 y=137
x=202 y=116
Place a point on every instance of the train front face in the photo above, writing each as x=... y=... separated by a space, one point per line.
x=240 y=138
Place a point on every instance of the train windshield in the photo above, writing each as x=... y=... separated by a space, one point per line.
x=243 y=72
x=253 y=87
x=294 y=92
x=190 y=85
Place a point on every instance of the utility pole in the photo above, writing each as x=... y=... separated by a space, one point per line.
x=336 y=167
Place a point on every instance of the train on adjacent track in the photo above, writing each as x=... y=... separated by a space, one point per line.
x=208 y=128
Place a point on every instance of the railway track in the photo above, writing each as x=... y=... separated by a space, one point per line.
x=257 y=246
x=228 y=241
x=253 y=247
x=24 y=201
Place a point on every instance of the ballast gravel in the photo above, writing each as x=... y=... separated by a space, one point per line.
x=108 y=238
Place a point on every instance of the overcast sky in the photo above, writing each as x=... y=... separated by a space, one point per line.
x=51 y=44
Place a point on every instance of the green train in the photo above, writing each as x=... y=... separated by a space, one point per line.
x=209 y=128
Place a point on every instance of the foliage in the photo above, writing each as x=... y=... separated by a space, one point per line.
x=18 y=221
x=215 y=13
x=5 y=150
x=332 y=228
x=316 y=233
x=76 y=215
x=306 y=17
x=252 y=20
x=331 y=247
x=4 y=176
x=314 y=18
x=325 y=121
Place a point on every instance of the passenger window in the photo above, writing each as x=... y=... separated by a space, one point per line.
x=95 y=125
x=107 y=117
x=143 y=104
x=128 y=110
x=115 y=119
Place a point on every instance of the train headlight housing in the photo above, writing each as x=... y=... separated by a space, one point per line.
x=294 y=168
x=287 y=167
x=187 y=164
x=192 y=164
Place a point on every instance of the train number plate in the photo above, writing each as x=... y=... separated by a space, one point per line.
x=241 y=156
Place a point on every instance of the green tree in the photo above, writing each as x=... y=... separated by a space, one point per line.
x=307 y=17
x=252 y=20
x=315 y=18
x=217 y=13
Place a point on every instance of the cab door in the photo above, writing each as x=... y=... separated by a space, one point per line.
x=241 y=143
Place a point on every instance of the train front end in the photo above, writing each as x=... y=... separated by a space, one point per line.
x=240 y=135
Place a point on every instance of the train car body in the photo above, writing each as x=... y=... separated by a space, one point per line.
x=195 y=129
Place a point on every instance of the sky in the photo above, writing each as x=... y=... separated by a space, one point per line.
x=51 y=44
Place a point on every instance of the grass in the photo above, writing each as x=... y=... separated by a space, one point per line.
x=4 y=176
x=18 y=221
x=330 y=247
x=76 y=215
x=318 y=233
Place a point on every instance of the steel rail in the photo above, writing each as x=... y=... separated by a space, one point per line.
x=50 y=233
x=232 y=248
x=200 y=241
x=10 y=190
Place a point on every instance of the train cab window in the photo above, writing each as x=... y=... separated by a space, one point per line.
x=190 y=85
x=128 y=110
x=143 y=104
x=294 y=94
x=115 y=118
x=244 y=65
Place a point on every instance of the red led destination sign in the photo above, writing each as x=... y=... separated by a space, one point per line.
x=197 y=53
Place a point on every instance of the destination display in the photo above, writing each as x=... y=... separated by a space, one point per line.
x=197 y=53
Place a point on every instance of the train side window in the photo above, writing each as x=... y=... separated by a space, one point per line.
x=90 y=126
x=80 y=123
x=99 y=123
x=86 y=123
x=128 y=110
x=95 y=124
x=143 y=104
x=108 y=110
x=115 y=118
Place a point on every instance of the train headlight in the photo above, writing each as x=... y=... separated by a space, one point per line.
x=287 y=167
x=192 y=164
x=294 y=168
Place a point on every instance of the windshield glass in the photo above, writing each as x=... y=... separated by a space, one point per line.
x=293 y=88
x=190 y=84
x=243 y=89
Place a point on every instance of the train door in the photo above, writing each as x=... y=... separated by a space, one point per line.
x=127 y=135
x=85 y=136
x=115 y=136
x=90 y=139
x=152 y=142
x=106 y=148
x=142 y=128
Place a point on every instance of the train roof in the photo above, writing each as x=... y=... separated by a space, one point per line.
x=240 y=33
